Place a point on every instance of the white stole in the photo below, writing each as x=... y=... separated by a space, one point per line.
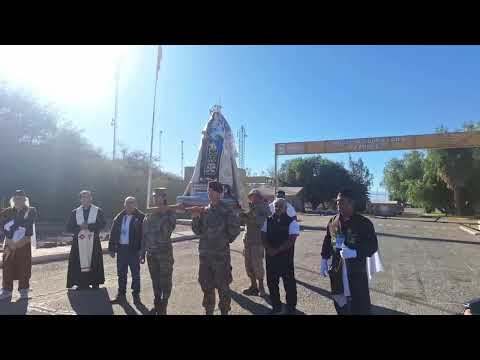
x=85 y=237
x=374 y=265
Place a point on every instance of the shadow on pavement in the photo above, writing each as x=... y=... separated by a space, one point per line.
x=376 y=310
x=142 y=308
x=129 y=310
x=249 y=305
x=407 y=237
x=320 y=291
x=90 y=302
x=19 y=307
x=380 y=310
x=308 y=227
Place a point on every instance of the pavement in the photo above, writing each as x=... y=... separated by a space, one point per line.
x=430 y=268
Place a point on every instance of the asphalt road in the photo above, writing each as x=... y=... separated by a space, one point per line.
x=430 y=268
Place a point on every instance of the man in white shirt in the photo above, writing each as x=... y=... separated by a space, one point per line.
x=125 y=241
x=290 y=209
x=279 y=233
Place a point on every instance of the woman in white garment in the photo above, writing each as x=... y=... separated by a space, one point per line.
x=17 y=223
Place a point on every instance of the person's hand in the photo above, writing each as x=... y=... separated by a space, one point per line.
x=324 y=267
x=112 y=254
x=196 y=211
x=347 y=253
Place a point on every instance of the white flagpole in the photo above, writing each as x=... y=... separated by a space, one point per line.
x=149 y=182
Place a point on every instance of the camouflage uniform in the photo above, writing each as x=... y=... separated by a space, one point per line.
x=157 y=244
x=217 y=226
x=252 y=240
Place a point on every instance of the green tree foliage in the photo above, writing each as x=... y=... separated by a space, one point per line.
x=401 y=176
x=52 y=161
x=322 y=179
x=445 y=179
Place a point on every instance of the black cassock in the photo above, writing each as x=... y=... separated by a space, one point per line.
x=360 y=235
x=96 y=275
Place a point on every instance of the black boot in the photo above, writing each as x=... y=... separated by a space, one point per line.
x=120 y=299
x=162 y=307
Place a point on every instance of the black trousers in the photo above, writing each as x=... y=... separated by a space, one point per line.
x=281 y=266
x=359 y=302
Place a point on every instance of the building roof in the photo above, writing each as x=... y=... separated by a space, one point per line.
x=269 y=190
x=258 y=179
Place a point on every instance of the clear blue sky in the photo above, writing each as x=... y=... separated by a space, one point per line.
x=288 y=93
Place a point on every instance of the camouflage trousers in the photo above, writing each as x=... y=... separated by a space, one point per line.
x=215 y=272
x=254 y=255
x=160 y=266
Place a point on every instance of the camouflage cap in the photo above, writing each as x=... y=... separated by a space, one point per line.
x=215 y=186
x=255 y=192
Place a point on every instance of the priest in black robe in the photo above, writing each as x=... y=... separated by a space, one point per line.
x=91 y=218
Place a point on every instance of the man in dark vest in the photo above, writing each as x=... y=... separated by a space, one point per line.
x=125 y=242
x=279 y=233
x=350 y=242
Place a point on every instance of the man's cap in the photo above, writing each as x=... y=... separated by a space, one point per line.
x=159 y=190
x=254 y=192
x=280 y=194
x=19 y=193
x=215 y=186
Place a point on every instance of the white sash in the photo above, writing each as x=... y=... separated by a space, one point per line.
x=85 y=237
x=374 y=265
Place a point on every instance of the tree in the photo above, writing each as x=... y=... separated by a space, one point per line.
x=446 y=179
x=455 y=168
x=321 y=179
x=52 y=161
x=360 y=173
x=401 y=174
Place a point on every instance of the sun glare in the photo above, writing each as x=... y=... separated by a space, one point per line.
x=63 y=74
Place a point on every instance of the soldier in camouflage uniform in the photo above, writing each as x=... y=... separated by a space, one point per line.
x=157 y=246
x=217 y=226
x=254 y=251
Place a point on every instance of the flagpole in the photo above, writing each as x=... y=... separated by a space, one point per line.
x=115 y=117
x=149 y=182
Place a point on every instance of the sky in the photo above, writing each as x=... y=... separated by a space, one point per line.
x=279 y=93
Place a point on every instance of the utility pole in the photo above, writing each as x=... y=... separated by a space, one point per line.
x=149 y=180
x=115 y=118
x=241 y=135
x=181 y=172
x=160 y=151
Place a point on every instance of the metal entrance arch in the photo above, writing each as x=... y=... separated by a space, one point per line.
x=453 y=140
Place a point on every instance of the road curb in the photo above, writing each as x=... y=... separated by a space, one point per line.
x=469 y=230
x=45 y=259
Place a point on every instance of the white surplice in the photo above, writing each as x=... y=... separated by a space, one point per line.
x=85 y=237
